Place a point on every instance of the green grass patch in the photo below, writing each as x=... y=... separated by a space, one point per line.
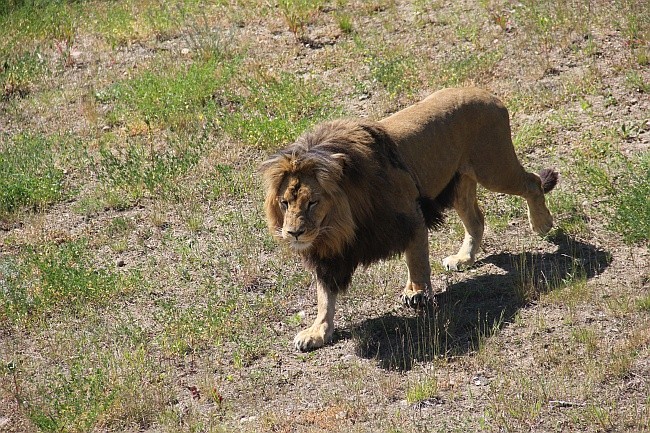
x=37 y=22
x=466 y=66
x=92 y=386
x=271 y=110
x=421 y=391
x=137 y=170
x=530 y=136
x=29 y=177
x=568 y=212
x=298 y=14
x=394 y=71
x=52 y=278
x=644 y=303
x=19 y=72
x=631 y=215
x=121 y=23
x=168 y=97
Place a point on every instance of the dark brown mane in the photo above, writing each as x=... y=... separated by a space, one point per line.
x=351 y=159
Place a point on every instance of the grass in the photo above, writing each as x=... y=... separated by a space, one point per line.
x=277 y=108
x=29 y=175
x=53 y=277
x=168 y=97
x=298 y=14
x=140 y=290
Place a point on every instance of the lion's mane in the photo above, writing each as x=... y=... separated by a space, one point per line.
x=353 y=162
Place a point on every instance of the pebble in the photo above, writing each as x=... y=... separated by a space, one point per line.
x=247 y=419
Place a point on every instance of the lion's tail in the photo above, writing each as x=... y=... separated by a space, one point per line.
x=549 y=178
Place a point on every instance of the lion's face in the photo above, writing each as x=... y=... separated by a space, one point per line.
x=304 y=208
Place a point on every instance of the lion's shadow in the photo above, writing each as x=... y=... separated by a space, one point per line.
x=473 y=309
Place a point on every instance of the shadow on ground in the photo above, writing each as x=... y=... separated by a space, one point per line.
x=476 y=308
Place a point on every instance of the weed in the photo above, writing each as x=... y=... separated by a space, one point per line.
x=394 y=71
x=466 y=67
x=344 y=22
x=299 y=13
x=569 y=213
x=586 y=337
x=644 y=303
x=224 y=180
x=637 y=82
x=530 y=136
x=19 y=72
x=139 y=169
x=485 y=330
x=422 y=390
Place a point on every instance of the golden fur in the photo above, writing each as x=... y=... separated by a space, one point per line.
x=352 y=192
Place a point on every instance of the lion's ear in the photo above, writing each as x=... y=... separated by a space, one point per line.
x=340 y=158
x=272 y=163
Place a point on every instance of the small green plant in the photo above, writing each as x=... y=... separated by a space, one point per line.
x=299 y=13
x=394 y=71
x=29 y=176
x=423 y=390
x=530 y=136
x=19 y=72
x=587 y=337
x=168 y=97
x=637 y=82
x=345 y=23
x=466 y=66
x=644 y=303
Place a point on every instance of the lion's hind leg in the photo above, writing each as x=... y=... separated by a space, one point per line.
x=470 y=214
x=540 y=218
x=417 y=292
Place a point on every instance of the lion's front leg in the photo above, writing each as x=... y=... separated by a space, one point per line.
x=320 y=332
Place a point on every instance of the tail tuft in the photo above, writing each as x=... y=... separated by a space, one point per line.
x=549 y=179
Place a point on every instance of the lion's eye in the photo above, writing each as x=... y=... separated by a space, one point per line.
x=311 y=205
x=284 y=204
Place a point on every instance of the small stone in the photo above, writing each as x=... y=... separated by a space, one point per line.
x=185 y=51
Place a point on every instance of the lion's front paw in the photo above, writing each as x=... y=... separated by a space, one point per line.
x=457 y=262
x=313 y=337
x=416 y=295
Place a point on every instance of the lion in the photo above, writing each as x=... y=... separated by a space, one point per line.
x=352 y=192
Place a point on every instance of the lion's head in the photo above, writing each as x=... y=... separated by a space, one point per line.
x=306 y=203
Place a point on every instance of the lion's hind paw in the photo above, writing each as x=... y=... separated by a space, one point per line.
x=416 y=296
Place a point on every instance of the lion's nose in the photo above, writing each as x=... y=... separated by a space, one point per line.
x=296 y=233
